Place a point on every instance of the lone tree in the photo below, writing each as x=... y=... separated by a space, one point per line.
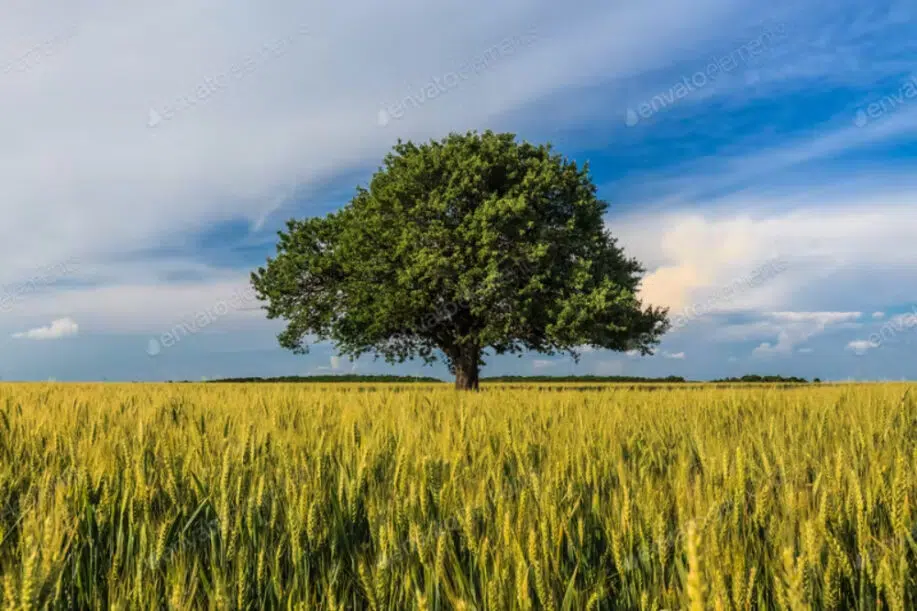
x=473 y=242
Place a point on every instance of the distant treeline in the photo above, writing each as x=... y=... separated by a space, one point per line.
x=375 y=379
x=767 y=379
x=367 y=379
x=601 y=379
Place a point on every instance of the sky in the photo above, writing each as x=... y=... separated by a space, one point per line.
x=758 y=159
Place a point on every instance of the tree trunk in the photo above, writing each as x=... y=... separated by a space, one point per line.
x=467 y=363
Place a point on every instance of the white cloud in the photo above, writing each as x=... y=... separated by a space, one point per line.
x=805 y=350
x=891 y=329
x=335 y=363
x=769 y=349
x=543 y=364
x=232 y=144
x=794 y=328
x=676 y=355
x=861 y=346
x=830 y=253
x=878 y=315
x=62 y=327
x=820 y=319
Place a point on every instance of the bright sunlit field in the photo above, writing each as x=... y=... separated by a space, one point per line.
x=197 y=496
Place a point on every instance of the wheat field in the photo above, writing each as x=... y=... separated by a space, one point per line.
x=221 y=496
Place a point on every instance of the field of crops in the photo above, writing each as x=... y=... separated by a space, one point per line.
x=195 y=496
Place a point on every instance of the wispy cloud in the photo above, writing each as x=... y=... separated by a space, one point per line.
x=716 y=68
x=752 y=159
x=440 y=85
x=889 y=103
x=215 y=84
x=794 y=328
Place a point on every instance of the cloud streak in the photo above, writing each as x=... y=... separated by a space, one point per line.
x=58 y=329
x=715 y=68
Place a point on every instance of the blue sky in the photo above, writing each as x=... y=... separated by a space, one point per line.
x=759 y=159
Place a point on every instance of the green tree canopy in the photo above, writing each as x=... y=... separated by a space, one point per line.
x=471 y=243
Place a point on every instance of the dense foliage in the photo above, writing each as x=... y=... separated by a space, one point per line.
x=199 y=496
x=458 y=247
